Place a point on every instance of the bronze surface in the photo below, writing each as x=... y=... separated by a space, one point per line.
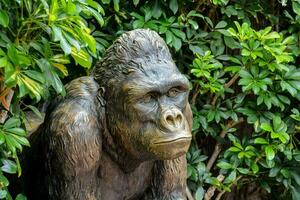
x=121 y=133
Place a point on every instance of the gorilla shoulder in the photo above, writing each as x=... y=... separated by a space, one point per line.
x=73 y=125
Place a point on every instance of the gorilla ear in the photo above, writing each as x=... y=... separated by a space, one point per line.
x=189 y=115
x=100 y=96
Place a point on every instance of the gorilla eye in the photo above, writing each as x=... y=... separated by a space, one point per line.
x=173 y=92
x=148 y=98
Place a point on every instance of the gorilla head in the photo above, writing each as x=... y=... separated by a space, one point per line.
x=146 y=96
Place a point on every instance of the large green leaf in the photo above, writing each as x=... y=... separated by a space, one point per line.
x=270 y=154
x=4 y=19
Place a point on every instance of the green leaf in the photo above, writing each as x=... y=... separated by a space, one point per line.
x=21 y=197
x=260 y=141
x=285 y=172
x=97 y=15
x=238 y=145
x=234 y=149
x=199 y=193
x=254 y=167
x=178 y=33
x=272 y=35
x=82 y=58
x=270 y=154
x=90 y=40
x=224 y=165
x=136 y=2
x=71 y=8
x=169 y=37
x=230 y=178
x=12 y=122
x=116 y=5
x=4 y=19
x=296 y=7
x=35 y=75
x=209 y=22
x=9 y=166
x=3 y=193
x=266 y=127
x=243 y=170
x=36 y=111
x=12 y=53
x=221 y=24
x=176 y=43
x=34 y=88
x=51 y=75
x=21 y=140
x=295 y=193
x=296 y=176
x=58 y=36
x=274 y=171
x=138 y=24
x=3 y=180
x=173 y=5
x=231 y=43
x=233 y=138
x=245 y=74
x=18 y=131
x=2 y=137
x=276 y=123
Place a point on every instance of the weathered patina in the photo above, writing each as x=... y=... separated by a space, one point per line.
x=121 y=133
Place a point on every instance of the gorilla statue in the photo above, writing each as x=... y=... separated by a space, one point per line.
x=119 y=134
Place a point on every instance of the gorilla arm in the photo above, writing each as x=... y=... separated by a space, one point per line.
x=74 y=152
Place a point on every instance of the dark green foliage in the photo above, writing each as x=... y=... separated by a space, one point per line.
x=37 y=40
x=242 y=59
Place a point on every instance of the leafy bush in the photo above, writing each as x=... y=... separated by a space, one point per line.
x=241 y=57
x=38 y=38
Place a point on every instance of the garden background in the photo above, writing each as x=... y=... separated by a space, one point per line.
x=241 y=57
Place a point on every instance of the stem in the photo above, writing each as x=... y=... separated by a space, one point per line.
x=232 y=81
x=227 y=85
x=195 y=95
x=211 y=190
x=233 y=183
x=214 y=101
x=218 y=147
x=189 y=194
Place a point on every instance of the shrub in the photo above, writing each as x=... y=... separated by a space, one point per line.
x=38 y=38
x=241 y=57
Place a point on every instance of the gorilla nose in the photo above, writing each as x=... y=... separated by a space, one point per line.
x=172 y=119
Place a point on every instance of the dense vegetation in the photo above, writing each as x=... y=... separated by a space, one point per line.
x=242 y=59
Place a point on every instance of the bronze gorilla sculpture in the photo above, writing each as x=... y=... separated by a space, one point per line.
x=121 y=133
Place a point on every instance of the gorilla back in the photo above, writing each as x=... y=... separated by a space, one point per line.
x=121 y=133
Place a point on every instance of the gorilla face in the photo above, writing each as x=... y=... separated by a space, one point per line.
x=154 y=109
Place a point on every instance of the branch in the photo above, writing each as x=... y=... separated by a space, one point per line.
x=223 y=192
x=211 y=190
x=227 y=85
x=193 y=101
x=218 y=146
x=232 y=81
x=189 y=194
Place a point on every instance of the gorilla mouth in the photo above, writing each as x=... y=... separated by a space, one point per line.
x=179 y=139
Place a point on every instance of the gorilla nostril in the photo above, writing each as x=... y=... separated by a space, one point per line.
x=170 y=120
x=179 y=118
x=174 y=121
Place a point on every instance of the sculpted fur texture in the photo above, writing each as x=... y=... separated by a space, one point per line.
x=120 y=133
